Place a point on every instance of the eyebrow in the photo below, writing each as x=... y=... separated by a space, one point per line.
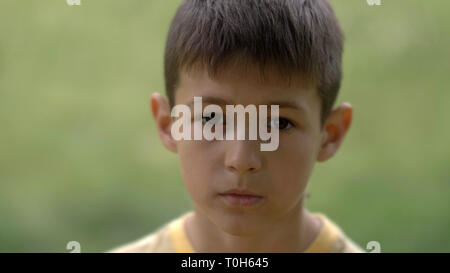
x=209 y=100
x=220 y=101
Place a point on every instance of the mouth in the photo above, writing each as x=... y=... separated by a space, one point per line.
x=241 y=198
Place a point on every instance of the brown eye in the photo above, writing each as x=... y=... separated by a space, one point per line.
x=210 y=116
x=281 y=123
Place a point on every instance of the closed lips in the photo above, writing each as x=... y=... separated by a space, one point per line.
x=241 y=199
x=240 y=193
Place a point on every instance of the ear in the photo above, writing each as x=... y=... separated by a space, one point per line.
x=336 y=127
x=161 y=113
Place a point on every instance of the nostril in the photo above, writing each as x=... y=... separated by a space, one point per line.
x=249 y=169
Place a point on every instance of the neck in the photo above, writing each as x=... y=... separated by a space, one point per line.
x=294 y=232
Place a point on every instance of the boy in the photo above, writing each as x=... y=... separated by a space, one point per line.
x=259 y=52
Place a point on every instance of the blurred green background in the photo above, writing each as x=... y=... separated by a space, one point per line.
x=80 y=159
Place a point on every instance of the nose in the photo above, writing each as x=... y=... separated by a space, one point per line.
x=243 y=156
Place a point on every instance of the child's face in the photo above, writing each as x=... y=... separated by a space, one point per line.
x=279 y=177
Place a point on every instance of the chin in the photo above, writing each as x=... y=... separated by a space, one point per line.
x=240 y=225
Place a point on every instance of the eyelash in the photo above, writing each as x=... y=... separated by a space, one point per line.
x=279 y=118
x=289 y=123
x=210 y=114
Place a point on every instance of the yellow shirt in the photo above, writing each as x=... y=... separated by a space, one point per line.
x=172 y=238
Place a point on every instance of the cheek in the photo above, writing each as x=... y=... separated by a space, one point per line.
x=292 y=166
x=197 y=164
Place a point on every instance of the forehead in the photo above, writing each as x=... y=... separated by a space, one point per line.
x=247 y=85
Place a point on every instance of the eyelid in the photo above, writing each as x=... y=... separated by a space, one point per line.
x=208 y=115
x=292 y=123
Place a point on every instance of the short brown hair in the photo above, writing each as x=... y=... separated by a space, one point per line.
x=299 y=37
